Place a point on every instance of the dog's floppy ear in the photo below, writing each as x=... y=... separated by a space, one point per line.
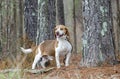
x=50 y=57
x=67 y=33
x=47 y=57
x=54 y=32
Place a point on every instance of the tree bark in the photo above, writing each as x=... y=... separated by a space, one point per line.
x=97 y=38
x=74 y=29
x=35 y=71
x=60 y=12
x=118 y=22
x=46 y=20
x=116 y=28
x=69 y=20
x=30 y=19
x=10 y=29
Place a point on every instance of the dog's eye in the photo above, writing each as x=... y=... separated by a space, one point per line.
x=61 y=28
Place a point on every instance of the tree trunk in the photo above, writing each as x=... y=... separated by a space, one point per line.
x=116 y=26
x=69 y=20
x=74 y=29
x=10 y=31
x=97 y=37
x=30 y=13
x=46 y=20
x=60 y=12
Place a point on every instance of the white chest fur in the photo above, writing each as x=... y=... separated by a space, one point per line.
x=64 y=47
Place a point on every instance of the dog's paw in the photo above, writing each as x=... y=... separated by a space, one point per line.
x=58 y=66
x=66 y=64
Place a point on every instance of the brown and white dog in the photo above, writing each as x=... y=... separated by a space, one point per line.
x=48 y=48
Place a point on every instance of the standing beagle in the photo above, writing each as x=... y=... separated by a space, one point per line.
x=48 y=49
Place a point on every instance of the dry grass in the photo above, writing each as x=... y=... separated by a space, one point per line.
x=76 y=72
x=71 y=72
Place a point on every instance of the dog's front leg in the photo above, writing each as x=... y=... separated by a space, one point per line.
x=57 y=59
x=37 y=58
x=67 y=59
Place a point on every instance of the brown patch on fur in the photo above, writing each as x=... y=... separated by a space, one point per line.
x=55 y=32
x=67 y=33
x=47 y=47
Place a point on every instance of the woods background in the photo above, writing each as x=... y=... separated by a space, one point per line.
x=28 y=22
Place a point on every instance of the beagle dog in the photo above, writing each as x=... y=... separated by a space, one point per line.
x=48 y=49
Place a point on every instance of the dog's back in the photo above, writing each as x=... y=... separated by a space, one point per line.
x=48 y=47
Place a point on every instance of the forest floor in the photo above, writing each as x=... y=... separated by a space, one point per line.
x=74 y=71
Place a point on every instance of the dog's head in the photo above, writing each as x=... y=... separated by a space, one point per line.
x=61 y=31
x=45 y=60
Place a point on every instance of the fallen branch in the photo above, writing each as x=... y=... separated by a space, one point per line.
x=39 y=71
x=34 y=71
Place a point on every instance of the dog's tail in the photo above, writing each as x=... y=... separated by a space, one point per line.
x=26 y=51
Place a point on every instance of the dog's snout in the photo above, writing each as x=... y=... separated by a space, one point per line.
x=57 y=33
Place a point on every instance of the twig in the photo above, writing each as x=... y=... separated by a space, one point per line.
x=34 y=71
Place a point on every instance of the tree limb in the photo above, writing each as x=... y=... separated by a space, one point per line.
x=34 y=71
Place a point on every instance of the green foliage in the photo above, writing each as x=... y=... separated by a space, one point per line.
x=10 y=75
x=2 y=76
